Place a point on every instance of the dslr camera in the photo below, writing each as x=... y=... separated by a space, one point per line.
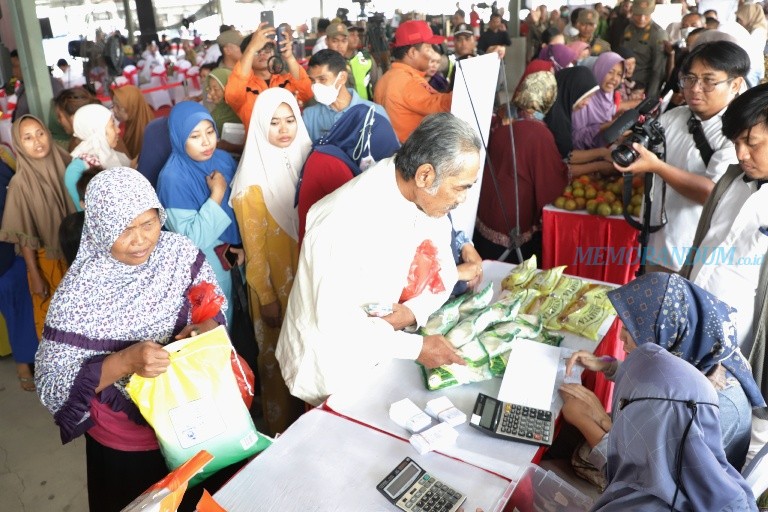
x=646 y=131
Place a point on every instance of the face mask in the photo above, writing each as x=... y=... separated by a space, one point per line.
x=326 y=94
x=538 y=115
x=364 y=143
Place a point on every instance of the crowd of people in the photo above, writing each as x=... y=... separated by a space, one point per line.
x=340 y=197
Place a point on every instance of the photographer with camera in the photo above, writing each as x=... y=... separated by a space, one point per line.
x=698 y=154
x=262 y=67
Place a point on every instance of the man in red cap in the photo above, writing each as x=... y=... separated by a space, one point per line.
x=403 y=91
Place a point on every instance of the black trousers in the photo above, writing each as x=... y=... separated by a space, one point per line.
x=116 y=478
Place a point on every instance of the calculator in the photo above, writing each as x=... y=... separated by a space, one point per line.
x=412 y=489
x=511 y=421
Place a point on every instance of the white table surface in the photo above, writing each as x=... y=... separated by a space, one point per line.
x=398 y=379
x=327 y=463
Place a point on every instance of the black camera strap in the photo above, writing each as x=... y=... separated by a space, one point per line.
x=702 y=144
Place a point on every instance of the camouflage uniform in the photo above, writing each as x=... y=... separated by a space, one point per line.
x=648 y=45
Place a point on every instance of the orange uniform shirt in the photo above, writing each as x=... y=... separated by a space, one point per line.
x=241 y=94
x=408 y=98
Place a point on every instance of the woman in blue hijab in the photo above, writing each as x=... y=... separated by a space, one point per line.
x=193 y=186
x=692 y=324
x=664 y=451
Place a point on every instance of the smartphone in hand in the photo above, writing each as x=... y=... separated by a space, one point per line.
x=268 y=17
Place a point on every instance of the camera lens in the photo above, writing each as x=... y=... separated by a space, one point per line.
x=624 y=155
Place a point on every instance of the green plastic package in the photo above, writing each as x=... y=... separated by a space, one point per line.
x=498 y=364
x=466 y=330
x=499 y=338
x=455 y=375
x=476 y=302
x=444 y=319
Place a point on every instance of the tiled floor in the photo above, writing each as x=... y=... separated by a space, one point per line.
x=37 y=473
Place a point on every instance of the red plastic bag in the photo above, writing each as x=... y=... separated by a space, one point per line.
x=206 y=303
x=424 y=272
x=244 y=376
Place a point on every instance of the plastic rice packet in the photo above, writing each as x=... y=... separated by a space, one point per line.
x=546 y=280
x=548 y=308
x=444 y=319
x=525 y=296
x=520 y=275
x=469 y=328
x=584 y=318
x=477 y=302
x=455 y=375
x=498 y=364
x=549 y=338
x=568 y=287
x=474 y=353
x=499 y=338
x=597 y=294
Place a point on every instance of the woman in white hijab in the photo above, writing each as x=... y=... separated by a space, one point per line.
x=97 y=130
x=752 y=18
x=263 y=193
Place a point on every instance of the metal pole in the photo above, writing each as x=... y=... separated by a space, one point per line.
x=37 y=80
x=129 y=21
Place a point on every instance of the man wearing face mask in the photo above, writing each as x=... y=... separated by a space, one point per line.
x=362 y=72
x=328 y=72
x=403 y=91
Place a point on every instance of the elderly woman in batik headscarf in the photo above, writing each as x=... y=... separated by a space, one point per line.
x=124 y=297
x=669 y=311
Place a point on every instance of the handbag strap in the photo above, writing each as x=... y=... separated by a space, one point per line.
x=705 y=220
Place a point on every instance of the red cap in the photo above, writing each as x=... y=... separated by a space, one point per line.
x=415 y=32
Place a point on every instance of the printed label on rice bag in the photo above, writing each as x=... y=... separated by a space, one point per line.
x=196 y=422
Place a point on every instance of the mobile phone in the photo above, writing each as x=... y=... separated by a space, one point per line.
x=227 y=258
x=268 y=17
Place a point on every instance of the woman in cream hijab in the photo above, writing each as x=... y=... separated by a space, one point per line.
x=263 y=193
x=99 y=135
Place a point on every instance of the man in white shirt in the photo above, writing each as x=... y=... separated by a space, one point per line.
x=710 y=78
x=731 y=245
x=321 y=42
x=359 y=249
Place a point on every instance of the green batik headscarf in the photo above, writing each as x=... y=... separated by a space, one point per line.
x=537 y=92
x=222 y=112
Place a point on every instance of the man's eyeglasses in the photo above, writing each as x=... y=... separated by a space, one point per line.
x=707 y=84
x=267 y=50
